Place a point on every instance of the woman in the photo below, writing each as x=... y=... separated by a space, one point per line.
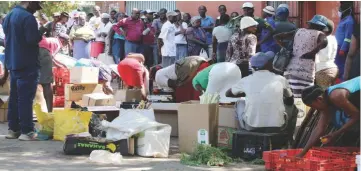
x=242 y=45
x=300 y=72
x=196 y=37
x=134 y=74
x=352 y=66
x=234 y=15
x=117 y=48
x=212 y=79
x=326 y=69
x=221 y=35
x=60 y=25
x=339 y=103
x=187 y=19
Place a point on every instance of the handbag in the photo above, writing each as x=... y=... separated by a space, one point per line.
x=203 y=53
x=283 y=57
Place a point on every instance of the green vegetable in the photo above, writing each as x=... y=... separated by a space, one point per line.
x=206 y=155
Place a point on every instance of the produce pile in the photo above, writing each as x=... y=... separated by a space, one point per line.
x=206 y=155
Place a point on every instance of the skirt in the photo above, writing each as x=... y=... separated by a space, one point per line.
x=46 y=67
x=297 y=85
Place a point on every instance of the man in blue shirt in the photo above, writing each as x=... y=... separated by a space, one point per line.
x=268 y=42
x=343 y=35
x=207 y=23
x=21 y=59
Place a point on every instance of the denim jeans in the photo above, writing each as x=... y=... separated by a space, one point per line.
x=132 y=47
x=182 y=51
x=221 y=51
x=150 y=53
x=23 y=85
x=118 y=50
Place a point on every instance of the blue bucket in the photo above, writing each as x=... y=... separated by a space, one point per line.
x=81 y=49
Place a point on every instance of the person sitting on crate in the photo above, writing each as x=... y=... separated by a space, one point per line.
x=340 y=104
x=48 y=48
x=269 y=105
x=134 y=74
x=179 y=76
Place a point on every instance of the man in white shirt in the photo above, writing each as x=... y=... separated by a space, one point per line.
x=104 y=28
x=269 y=100
x=96 y=20
x=180 y=39
x=167 y=35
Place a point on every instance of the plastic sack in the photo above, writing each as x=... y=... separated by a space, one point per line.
x=70 y=121
x=39 y=99
x=45 y=120
x=203 y=53
x=66 y=60
x=105 y=157
x=153 y=143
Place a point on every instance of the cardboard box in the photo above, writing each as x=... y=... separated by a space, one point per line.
x=227 y=116
x=84 y=75
x=225 y=135
x=75 y=92
x=98 y=99
x=193 y=116
x=5 y=89
x=128 y=95
x=4 y=108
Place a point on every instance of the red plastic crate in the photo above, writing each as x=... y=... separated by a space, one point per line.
x=315 y=160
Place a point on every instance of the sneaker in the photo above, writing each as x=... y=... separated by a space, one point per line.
x=12 y=135
x=31 y=136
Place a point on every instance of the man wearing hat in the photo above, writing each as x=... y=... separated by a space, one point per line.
x=149 y=44
x=167 y=35
x=268 y=44
x=21 y=59
x=269 y=98
x=104 y=28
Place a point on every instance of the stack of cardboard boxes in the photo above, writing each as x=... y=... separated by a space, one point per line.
x=4 y=96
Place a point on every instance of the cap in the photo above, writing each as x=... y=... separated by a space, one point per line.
x=269 y=10
x=260 y=59
x=319 y=20
x=172 y=13
x=105 y=15
x=56 y=14
x=76 y=14
x=247 y=5
x=283 y=5
x=65 y=14
x=247 y=22
x=149 y=11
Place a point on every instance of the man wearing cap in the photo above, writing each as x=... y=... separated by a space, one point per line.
x=95 y=21
x=180 y=39
x=48 y=48
x=269 y=98
x=268 y=44
x=132 y=28
x=21 y=59
x=207 y=23
x=104 y=28
x=149 y=43
x=167 y=35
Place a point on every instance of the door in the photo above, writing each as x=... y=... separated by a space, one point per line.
x=152 y=5
x=294 y=9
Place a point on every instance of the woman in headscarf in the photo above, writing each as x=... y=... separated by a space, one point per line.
x=196 y=37
x=242 y=45
x=134 y=74
x=300 y=72
x=326 y=69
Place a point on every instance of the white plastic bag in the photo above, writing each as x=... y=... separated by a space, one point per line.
x=203 y=53
x=153 y=143
x=105 y=157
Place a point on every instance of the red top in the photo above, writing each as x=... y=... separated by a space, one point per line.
x=133 y=29
x=149 y=38
x=52 y=44
x=131 y=72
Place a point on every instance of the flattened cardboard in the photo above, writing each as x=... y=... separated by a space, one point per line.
x=193 y=116
x=75 y=92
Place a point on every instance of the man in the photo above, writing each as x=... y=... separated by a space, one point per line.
x=167 y=35
x=180 y=39
x=113 y=17
x=81 y=23
x=104 y=28
x=133 y=28
x=89 y=16
x=339 y=105
x=96 y=20
x=268 y=98
x=268 y=44
x=149 y=43
x=44 y=24
x=48 y=48
x=207 y=23
x=248 y=10
x=283 y=25
x=21 y=59
x=343 y=35
x=157 y=25
x=222 y=9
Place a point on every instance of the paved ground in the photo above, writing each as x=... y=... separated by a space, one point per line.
x=48 y=156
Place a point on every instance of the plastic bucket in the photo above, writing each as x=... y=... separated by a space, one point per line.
x=81 y=49
x=96 y=48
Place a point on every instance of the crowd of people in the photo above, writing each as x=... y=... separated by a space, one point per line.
x=233 y=55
